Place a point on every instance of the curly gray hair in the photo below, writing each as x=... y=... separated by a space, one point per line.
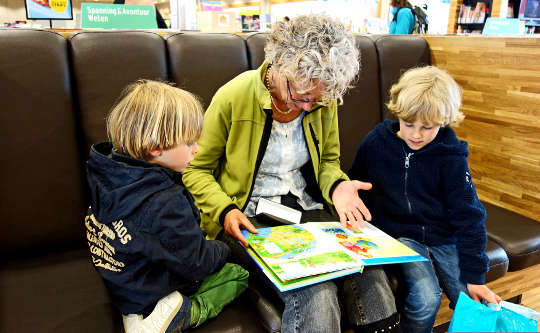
x=315 y=47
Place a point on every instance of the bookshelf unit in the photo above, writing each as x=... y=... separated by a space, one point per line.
x=473 y=15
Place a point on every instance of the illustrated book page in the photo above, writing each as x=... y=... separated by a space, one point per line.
x=374 y=246
x=295 y=251
x=291 y=252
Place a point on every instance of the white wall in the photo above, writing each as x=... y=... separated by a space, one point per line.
x=437 y=11
x=347 y=11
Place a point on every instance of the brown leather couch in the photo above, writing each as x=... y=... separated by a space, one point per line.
x=56 y=92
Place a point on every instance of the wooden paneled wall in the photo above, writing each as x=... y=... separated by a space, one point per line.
x=500 y=78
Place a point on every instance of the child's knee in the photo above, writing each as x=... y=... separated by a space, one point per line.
x=237 y=271
x=424 y=305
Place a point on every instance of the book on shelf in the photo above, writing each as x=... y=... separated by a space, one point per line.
x=294 y=256
x=468 y=15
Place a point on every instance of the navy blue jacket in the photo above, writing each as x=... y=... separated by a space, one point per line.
x=426 y=195
x=143 y=231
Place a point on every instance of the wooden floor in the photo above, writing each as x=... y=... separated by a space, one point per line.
x=531 y=299
x=525 y=282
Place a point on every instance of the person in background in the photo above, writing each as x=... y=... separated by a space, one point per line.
x=142 y=226
x=273 y=133
x=424 y=196
x=533 y=8
x=402 y=17
x=159 y=19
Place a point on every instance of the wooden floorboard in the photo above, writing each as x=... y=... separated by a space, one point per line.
x=525 y=282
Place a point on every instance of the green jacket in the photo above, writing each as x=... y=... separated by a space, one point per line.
x=235 y=134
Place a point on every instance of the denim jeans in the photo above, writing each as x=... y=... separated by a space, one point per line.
x=423 y=281
x=182 y=319
x=368 y=297
x=311 y=309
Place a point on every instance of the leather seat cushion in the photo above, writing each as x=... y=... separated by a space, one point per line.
x=498 y=261
x=518 y=235
x=55 y=293
x=63 y=293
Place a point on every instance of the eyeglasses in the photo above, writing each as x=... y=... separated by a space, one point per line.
x=300 y=100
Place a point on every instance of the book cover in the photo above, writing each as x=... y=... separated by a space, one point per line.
x=273 y=212
x=292 y=252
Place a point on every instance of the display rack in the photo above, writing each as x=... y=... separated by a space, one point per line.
x=473 y=15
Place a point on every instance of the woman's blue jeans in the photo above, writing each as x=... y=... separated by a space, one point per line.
x=423 y=282
x=367 y=299
x=311 y=309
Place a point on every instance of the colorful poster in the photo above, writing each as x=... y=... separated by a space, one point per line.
x=49 y=9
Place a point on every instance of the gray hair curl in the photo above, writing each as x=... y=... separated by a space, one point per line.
x=315 y=47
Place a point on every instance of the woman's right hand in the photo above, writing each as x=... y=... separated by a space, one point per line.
x=233 y=220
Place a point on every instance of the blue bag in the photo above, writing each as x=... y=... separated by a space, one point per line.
x=471 y=316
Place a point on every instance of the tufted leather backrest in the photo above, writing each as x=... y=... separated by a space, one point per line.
x=361 y=109
x=104 y=63
x=41 y=205
x=255 y=46
x=202 y=62
x=397 y=53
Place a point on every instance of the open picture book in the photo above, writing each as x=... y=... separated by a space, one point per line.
x=297 y=255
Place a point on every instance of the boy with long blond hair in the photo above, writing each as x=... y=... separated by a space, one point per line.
x=142 y=225
x=424 y=196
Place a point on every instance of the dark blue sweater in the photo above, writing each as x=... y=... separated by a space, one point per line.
x=426 y=195
x=143 y=231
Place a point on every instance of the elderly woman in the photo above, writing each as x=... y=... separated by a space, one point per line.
x=273 y=133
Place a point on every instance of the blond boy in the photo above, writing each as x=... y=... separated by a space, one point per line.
x=423 y=195
x=142 y=226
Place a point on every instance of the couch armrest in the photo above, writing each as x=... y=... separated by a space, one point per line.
x=518 y=235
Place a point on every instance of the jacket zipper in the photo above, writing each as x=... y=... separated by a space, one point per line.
x=407 y=158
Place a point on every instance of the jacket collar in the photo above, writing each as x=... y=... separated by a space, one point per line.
x=104 y=150
x=133 y=162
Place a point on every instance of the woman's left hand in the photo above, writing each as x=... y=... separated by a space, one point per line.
x=348 y=204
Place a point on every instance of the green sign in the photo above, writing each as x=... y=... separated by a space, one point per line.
x=108 y=16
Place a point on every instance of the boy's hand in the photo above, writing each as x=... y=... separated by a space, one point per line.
x=348 y=204
x=480 y=292
x=233 y=220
